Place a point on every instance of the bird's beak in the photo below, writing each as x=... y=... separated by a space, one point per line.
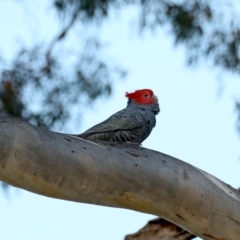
x=155 y=98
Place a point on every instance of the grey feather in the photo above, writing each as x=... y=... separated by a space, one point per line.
x=132 y=124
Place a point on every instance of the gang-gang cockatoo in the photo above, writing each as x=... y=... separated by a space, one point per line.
x=132 y=124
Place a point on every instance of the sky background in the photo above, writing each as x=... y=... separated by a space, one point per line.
x=196 y=123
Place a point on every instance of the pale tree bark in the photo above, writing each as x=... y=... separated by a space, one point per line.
x=124 y=176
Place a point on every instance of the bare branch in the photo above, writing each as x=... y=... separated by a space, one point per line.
x=124 y=176
x=161 y=229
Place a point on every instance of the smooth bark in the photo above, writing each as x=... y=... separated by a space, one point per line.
x=126 y=176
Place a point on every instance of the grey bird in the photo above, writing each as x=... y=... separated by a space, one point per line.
x=132 y=124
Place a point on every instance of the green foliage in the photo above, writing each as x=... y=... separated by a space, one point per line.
x=87 y=9
x=34 y=79
x=207 y=33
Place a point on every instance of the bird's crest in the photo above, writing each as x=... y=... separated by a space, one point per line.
x=143 y=96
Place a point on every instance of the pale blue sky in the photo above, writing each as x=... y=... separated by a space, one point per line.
x=196 y=123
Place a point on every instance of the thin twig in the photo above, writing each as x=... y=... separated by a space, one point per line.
x=62 y=34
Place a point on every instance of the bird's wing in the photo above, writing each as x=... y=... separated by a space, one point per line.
x=122 y=120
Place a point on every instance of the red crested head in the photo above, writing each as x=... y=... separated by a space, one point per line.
x=143 y=96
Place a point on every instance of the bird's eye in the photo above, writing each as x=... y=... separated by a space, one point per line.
x=146 y=95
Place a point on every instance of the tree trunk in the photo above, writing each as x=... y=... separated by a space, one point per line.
x=125 y=176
